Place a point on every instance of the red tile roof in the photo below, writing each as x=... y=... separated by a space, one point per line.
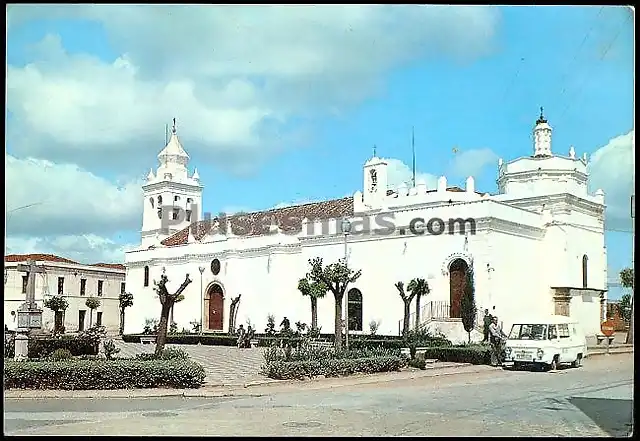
x=58 y=259
x=289 y=219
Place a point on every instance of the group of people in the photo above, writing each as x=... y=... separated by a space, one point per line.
x=245 y=336
x=494 y=335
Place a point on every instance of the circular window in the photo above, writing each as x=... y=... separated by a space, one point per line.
x=215 y=267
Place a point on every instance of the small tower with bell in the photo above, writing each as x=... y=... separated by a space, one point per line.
x=375 y=181
x=542 y=137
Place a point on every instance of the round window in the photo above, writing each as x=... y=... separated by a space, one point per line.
x=215 y=267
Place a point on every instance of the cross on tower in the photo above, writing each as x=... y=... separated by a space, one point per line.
x=31 y=269
x=174 y=128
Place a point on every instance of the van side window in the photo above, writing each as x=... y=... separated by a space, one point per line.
x=553 y=334
x=563 y=331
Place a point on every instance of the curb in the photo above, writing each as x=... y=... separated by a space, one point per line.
x=229 y=390
x=612 y=351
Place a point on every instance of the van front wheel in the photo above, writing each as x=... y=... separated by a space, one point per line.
x=578 y=362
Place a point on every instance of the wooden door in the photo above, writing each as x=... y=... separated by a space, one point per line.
x=457 y=283
x=216 y=305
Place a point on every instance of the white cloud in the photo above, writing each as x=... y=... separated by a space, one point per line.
x=67 y=200
x=398 y=172
x=612 y=169
x=233 y=76
x=86 y=249
x=472 y=162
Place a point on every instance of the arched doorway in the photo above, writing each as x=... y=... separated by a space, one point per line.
x=215 y=307
x=354 y=305
x=457 y=281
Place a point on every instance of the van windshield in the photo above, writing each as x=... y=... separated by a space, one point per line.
x=528 y=332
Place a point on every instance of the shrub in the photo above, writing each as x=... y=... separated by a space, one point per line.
x=110 y=349
x=103 y=374
x=371 y=343
x=460 y=354
x=310 y=353
x=418 y=362
x=289 y=370
x=167 y=354
x=85 y=343
x=189 y=339
x=60 y=354
x=9 y=345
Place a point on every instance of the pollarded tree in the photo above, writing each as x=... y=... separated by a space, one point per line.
x=421 y=288
x=627 y=281
x=336 y=277
x=58 y=305
x=407 y=306
x=468 y=308
x=315 y=291
x=125 y=301
x=167 y=301
x=92 y=303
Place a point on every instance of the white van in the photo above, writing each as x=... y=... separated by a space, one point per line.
x=546 y=342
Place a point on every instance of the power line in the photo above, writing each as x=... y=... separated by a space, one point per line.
x=604 y=54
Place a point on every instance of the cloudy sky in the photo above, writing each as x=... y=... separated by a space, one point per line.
x=284 y=104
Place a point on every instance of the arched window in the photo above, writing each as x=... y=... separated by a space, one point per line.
x=159 y=201
x=146 y=276
x=159 y=213
x=152 y=202
x=354 y=305
x=176 y=198
x=585 y=276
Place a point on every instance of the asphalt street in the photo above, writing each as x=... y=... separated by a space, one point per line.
x=594 y=400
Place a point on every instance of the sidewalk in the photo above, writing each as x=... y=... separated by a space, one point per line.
x=256 y=388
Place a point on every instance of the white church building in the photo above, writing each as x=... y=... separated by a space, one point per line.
x=536 y=247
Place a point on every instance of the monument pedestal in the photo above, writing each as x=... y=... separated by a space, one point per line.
x=22 y=347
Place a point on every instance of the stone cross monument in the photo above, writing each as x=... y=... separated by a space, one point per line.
x=29 y=315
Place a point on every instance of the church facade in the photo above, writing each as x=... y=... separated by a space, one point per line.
x=536 y=247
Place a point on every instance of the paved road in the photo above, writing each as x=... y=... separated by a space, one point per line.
x=595 y=400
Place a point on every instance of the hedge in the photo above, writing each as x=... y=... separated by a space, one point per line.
x=298 y=370
x=189 y=339
x=460 y=354
x=42 y=347
x=102 y=374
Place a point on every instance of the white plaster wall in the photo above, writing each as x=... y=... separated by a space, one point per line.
x=586 y=309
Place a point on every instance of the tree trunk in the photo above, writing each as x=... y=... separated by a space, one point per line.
x=161 y=338
x=629 y=339
x=338 y=324
x=407 y=314
x=469 y=341
x=417 y=311
x=232 y=310
x=90 y=317
x=122 y=321
x=171 y=314
x=314 y=312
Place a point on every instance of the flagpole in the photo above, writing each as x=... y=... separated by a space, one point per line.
x=413 y=153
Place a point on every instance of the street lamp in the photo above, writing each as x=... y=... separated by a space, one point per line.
x=201 y=269
x=346 y=229
x=490 y=269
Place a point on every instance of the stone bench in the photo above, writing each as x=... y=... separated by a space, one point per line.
x=254 y=343
x=148 y=340
x=602 y=338
x=321 y=345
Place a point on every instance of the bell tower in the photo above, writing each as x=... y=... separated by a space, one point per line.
x=172 y=198
x=375 y=182
x=542 y=137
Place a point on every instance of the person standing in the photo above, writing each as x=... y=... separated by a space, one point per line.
x=240 y=333
x=487 y=322
x=495 y=336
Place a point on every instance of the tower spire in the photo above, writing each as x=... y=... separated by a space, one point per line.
x=173 y=129
x=374 y=150
x=413 y=157
x=541 y=119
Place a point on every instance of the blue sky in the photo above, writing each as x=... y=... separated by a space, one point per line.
x=473 y=81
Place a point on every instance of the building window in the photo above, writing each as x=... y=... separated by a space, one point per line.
x=98 y=318
x=585 y=276
x=159 y=213
x=83 y=287
x=60 y=285
x=122 y=287
x=25 y=282
x=100 y=288
x=176 y=198
x=81 y=315
x=176 y=211
x=188 y=215
x=215 y=267
x=354 y=303
x=146 y=276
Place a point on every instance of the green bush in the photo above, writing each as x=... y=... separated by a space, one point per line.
x=307 y=352
x=290 y=370
x=371 y=343
x=167 y=354
x=418 y=362
x=460 y=354
x=85 y=343
x=9 y=344
x=60 y=354
x=103 y=374
x=189 y=339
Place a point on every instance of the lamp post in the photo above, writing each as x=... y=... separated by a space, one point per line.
x=490 y=269
x=201 y=269
x=346 y=229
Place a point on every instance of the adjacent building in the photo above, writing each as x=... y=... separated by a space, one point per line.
x=75 y=282
x=535 y=247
